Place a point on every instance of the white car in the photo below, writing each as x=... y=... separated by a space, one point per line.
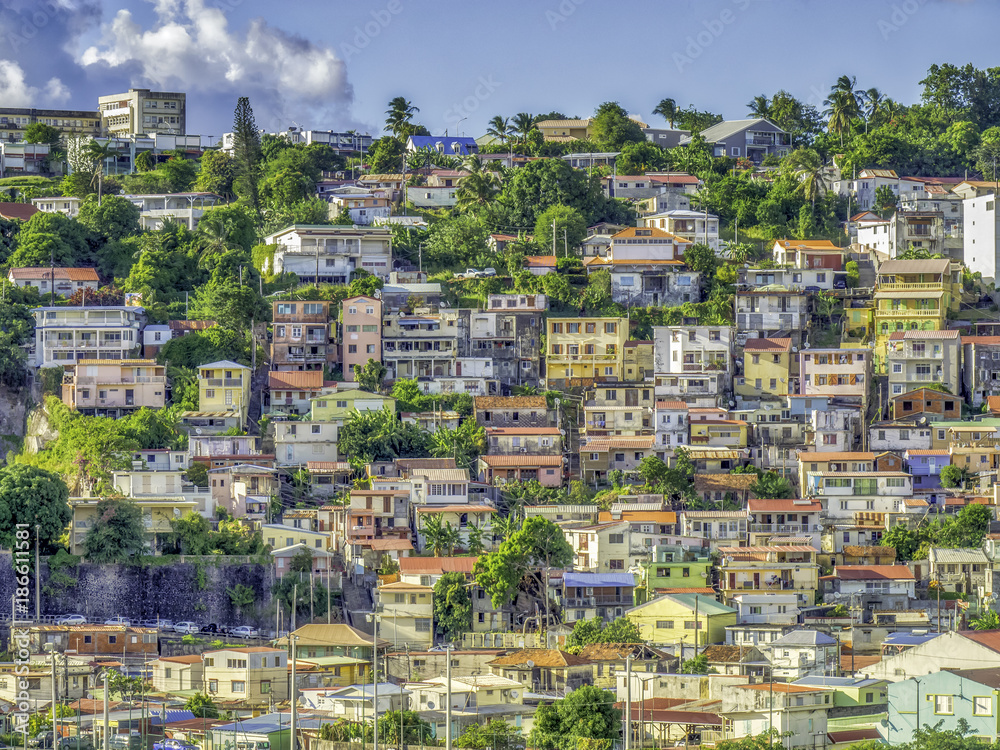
x=118 y=621
x=186 y=628
x=245 y=631
x=72 y=620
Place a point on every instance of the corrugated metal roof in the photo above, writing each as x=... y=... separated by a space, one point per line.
x=598 y=579
x=521 y=459
x=59 y=274
x=939 y=265
x=961 y=555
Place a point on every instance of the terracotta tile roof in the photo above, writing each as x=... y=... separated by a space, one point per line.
x=873 y=573
x=522 y=431
x=521 y=459
x=809 y=244
x=611 y=443
x=853 y=735
x=767 y=345
x=61 y=274
x=183 y=659
x=855 y=550
x=791 y=505
x=650 y=232
x=860 y=661
x=539 y=261
x=22 y=211
x=190 y=325
x=328 y=465
x=723 y=482
x=510 y=402
x=542 y=657
x=982 y=341
x=385 y=545
x=671 y=405
x=291 y=381
x=436 y=565
x=907 y=335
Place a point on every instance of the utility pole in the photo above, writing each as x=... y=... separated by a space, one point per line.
x=375 y=682
x=447 y=707
x=565 y=244
x=55 y=695
x=294 y=693
x=553 y=237
x=627 y=714
x=106 y=742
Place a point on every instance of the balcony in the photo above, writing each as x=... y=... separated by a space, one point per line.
x=903 y=287
x=140 y=379
x=903 y=312
x=224 y=382
x=597 y=601
x=784 y=528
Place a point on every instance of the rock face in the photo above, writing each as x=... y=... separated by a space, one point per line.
x=37 y=430
x=13 y=408
x=186 y=590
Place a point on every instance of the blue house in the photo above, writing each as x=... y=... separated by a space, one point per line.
x=926 y=465
x=947 y=696
x=453 y=145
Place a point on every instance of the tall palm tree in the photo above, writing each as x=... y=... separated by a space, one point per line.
x=214 y=234
x=399 y=114
x=807 y=166
x=760 y=106
x=667 y=109
x=874 y=101
x=845 y=85
x=478 y=188
x=499 y=127
x=841 y=107
x=100 y=154
x=523 y=123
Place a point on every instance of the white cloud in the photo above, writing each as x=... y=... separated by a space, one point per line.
x=56 y=92
x=192 y=48
x=15 y=91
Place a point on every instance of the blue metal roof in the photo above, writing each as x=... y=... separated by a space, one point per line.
x=269 y=723
x=908 y=639
x=452 y=144
x=171 y=715
x=599 y=579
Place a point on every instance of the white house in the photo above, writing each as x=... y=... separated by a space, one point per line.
x=801 y=653
x=66 y=334
x=766 y=608
x=332 y=252
x=982 y=230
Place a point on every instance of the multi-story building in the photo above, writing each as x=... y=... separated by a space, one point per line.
x=113 y=388
x=980 y=368
x=836 y=373
x=509 y=331
x=693 y=226
x=604 y=595
x=753 y=139
x=619 y=410
x=244 y=489
x=299 y=442
x=637 y=364
x=253 y=675
x=536 y=441
x=583 y=351
x=787 y=567
x=363 y=208
x=407 y=615
x=914 y=295
x=68 y=334
x=601 y=455
x=903 y=231
x=767 y=368
x=805 y=254
x=792 y=278
x=157 y=517
x=670 y=424
x=959 y=570
x=143 y=112
x=361 y=318
x=601 y=547
x=301 y=336
x=982 y=232
x=340 y=142
x=292 y=392
x=14 y=121
x=224 y=390
x=793 y=711
x=850 y=495
x=773 y=519
x=423 y=345
x=802 y=653
x=855 y=461
x=645 y=283
x=512 y=411
x=773 y=313
x=331 y=252
x=692 y=363
x=62 y=281
x=334 y=404
x=917 y=358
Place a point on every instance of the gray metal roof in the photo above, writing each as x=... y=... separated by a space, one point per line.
x=729 y=128
x=961 y=555
x=804 y=638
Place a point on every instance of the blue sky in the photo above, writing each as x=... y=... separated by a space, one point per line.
x=335 y=65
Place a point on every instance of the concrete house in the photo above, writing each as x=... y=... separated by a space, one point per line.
x=752 y=139
x=361 y=318
x=114 y=388
x=801 y=653
x=916 y=358
x=407 y=615
x=301 y=336
x=63 y=281
x=66 y=334
x=256 y=675
x=334 y=252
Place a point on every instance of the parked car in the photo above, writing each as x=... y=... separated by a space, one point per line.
x=118 y=621
x=72 y=620
x=840 y=283
x=41 y=740
x=210 y=628
x=186 y=627
x=813 y=289
x=147 y=623
x=125 y=742
x=488 y=272
x=245 y=631
x=80 y=742
x=165 y=625
x=173 y=744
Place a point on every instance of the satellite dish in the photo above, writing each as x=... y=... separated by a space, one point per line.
x=513 y=693
x=430 y=705
x=197 y=430
x=530 y=663
x=378 y=294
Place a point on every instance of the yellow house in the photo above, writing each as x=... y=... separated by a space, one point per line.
x=786 y=568
x=257 y=674
x=337 y=655
x=637 y=361
x=224 y=388
x=730 y=433
x=914 y=295
x=585 y=349
x=680 y=618
x=337 y=405
x=565 y=130
x=407 y=615
x=767 y=368
x=157 y=513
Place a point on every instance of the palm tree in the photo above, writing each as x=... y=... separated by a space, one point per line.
x=523 y=123
x=499 y=127
x=760 y=106
x=874 y=101
x=807 y=166
x=841 y=107
x=667 y=109
x=478 y=188
x=214 y=234
x=440 y=537
x=988 y=620
x=100 y=154
x=845 y=85
x=399 y=114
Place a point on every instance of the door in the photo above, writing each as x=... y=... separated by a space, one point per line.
x=458 y=369
x=756 y=580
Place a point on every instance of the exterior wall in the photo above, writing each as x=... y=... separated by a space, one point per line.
x=67 y=334
x=301 y=442
x=407 y=617
x=422 y=346
x=981 y=228
x=835 y=372
x=926 y=401
x=254 y=676
x=142 y=112
x=301 y=336
x=339 y=251
x=765 y=373
x=225 y=389
x=766 y=314
x=114 y=389
x=940 y=697
x=587 y=349
x=913 y=363
x=362 y=333
x=646 y=286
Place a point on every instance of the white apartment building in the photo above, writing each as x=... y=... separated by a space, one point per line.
x=143 y=112
x=66 y=334
x=982 y=228
x=331 y=252
x=693 y=226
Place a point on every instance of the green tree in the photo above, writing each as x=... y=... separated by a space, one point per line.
x=587 y=713
x=369 y=376
x=202 y=706
x=702 y=259
x=885 y=201
x=905 y=541
x=217 y=173
x=39 y=132
x=117 y=534
x=246 y=154
x=32 y=497
x=987 y=620
x=452 y=606
x=639 y=157
x=807 y=166
x=49 y=235
x=385 y=156
x=380 y=436
x=667 y=109
x=696 y=665
x=566 y=225
x=478 y=189
x=113 y=219
x=497 y=734
x=416 y=731
x=611 y=127
x=952 y=476
x=586 y=632
x=399 y=115
x=770 y=485
x=529 y=552
x=180 y=173
x=465 y=444
x=100 y=153
x=441 y=536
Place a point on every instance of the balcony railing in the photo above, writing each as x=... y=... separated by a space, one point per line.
x=90 y=380
x=598 y=601
x=904 y=312
x=902 y=287
x=784 y=528
x=225 y=383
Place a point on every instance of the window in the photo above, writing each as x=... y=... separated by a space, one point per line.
x=616 y=539
x=944 y=704
x=315 y=429
x=213 y=686
x=265 y=686
x=664 y=624
x=112 y=639
x=239 y=686
x=982 y=706
x=422 y=624
x=167 y=673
